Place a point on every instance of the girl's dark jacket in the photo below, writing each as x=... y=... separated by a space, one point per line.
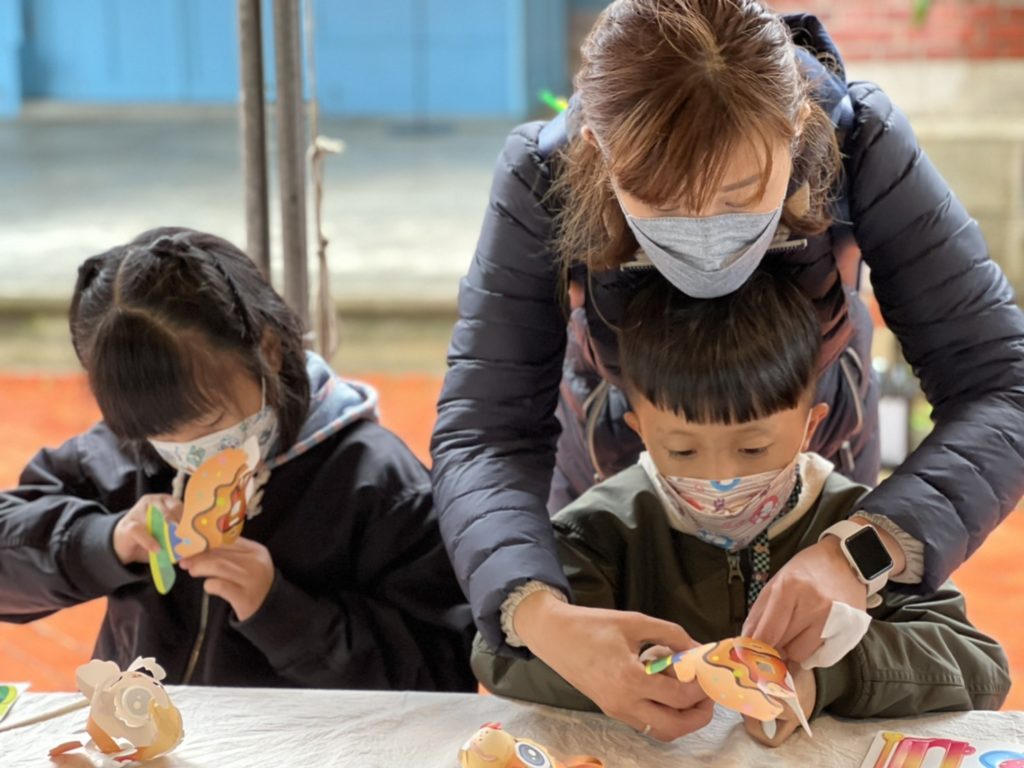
x=363 y=595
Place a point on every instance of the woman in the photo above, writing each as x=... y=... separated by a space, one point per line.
x=714 y=135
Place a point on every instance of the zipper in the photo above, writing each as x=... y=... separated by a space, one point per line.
x=788 y=246
x=737 y=582
x=735 y=570
x=197 y=647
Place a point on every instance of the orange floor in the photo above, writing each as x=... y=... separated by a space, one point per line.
x=36 y=411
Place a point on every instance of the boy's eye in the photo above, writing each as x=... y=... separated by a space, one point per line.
x=682 y=454
x=754 y=451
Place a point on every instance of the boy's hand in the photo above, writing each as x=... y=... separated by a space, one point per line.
x=794 y=605
x=786 y=723
x=792 y=609
x=131 y=541
x=240 y=573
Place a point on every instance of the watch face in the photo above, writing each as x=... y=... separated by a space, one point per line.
x=869 y=553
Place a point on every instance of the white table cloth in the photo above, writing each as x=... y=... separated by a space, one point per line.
x=252 y=728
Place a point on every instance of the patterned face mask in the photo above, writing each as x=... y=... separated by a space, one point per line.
x=188 y=456
x=730 y=514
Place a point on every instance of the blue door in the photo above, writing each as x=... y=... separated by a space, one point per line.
x=393 y=58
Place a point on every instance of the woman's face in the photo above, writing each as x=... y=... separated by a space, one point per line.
x=738 y=192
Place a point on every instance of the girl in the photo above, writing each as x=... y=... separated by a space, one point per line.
x=339 y=579
x=705 y=137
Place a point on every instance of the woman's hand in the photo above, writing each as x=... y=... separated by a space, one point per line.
x=791 y=611
x=241 y=573
x=786 y=723
x=598 y=652
x=132 y=542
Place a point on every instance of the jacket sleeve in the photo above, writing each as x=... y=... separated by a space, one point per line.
x=56 y=528
x=404 y=625
x=919 y=655
x=593 y=583
x=960 y=328
x=494 y=442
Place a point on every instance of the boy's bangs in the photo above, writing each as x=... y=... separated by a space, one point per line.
x=149 y=381
x=715 y=397
x=731 y=360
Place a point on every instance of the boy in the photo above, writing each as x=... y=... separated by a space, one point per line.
x=724 y=388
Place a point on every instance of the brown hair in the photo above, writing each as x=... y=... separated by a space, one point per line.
x=743 y=356
x=671 y=88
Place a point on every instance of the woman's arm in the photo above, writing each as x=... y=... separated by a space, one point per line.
x=494 y=442
x=960 y=328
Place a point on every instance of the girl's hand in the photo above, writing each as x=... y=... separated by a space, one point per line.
x=132 y=542
x=598 y=652
x=240 y=573
x=786 y=723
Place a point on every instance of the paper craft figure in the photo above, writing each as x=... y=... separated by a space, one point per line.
x=898 y=750
x=491 y=747
x=131 y=717
x=9 y=694
x=217 y=500
x=740 y=673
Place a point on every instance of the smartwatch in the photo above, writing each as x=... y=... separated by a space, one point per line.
x=864 y=550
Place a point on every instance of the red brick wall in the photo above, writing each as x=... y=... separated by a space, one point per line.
x=885 y=29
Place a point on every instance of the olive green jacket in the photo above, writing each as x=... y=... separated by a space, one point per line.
x=618 y=551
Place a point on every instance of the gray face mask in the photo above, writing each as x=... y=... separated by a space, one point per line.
x=706 y=257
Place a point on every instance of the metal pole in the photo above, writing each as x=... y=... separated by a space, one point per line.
x=291 y=157
x=254 y=135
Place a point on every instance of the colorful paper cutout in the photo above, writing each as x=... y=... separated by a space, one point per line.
x=9 y=693
x=891 y=749
x=131 y=717
x=217 y=501
x=740 y=673
x=491 y=747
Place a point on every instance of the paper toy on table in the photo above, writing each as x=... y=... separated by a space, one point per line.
x=491 y=747
x=9 y=693
x=740 y=673
x=131 y=717
x=217 y=500
x=898 y=750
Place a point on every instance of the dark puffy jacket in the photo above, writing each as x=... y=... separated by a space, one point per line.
x=499 y=415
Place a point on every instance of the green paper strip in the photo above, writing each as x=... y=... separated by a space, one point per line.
x=161 y=564
x=658 y=666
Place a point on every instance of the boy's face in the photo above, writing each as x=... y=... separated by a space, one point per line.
x=719 y=451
